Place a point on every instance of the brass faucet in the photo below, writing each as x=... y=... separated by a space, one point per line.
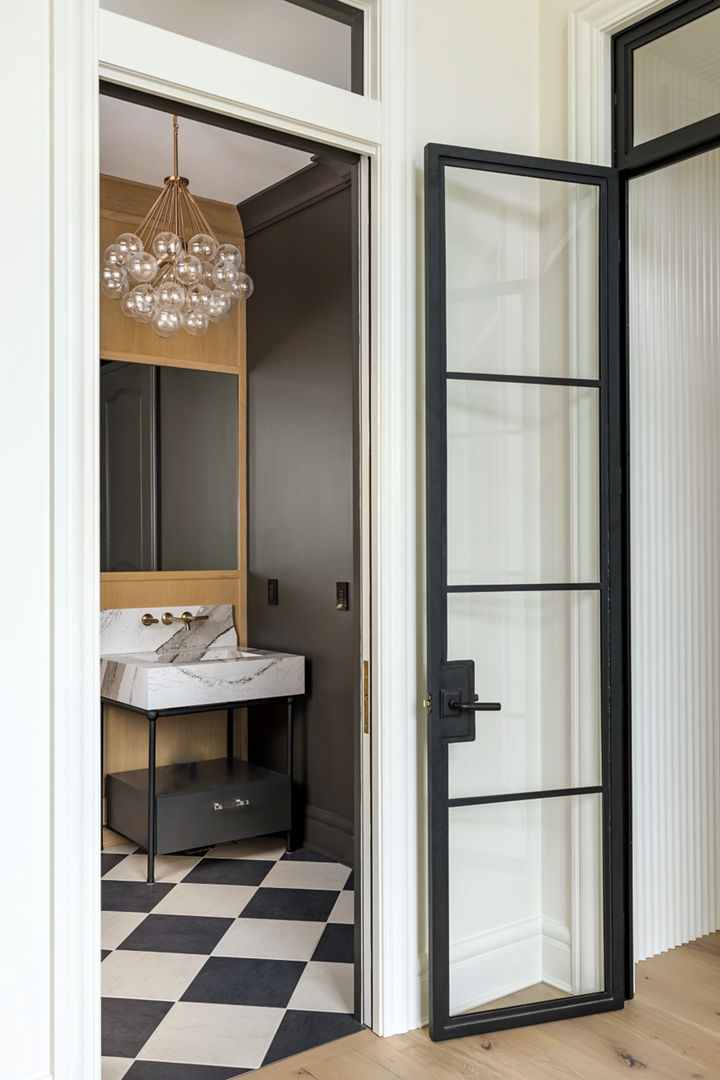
x=168 y=618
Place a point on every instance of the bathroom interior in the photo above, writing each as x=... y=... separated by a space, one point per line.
x=231 y=574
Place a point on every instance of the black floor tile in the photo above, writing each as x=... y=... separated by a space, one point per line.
x=104 y=953
x=107 y=861
x=349 y=883
x=304 y=854
x=313 y=905
x=229 y=872
x=128 y=1024
x=241 y=981
x=132 y=895
x=177 y=933
x=301 y=1031
x=337 y=944
x=168 y=1070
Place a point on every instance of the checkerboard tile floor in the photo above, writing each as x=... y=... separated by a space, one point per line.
x=235 y=957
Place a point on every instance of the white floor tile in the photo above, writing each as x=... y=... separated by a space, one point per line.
x=114 y=1068
x=270 y=939
x=324 y=988
x=200 y=1034
x=116 y=925
x=344 y=910
x=151 y=976
x=191 y=899
x=257 y=847
x=289 y=874
x=167 y=868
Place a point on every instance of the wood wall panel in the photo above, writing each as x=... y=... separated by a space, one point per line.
x=122 y=207
x=189 y=738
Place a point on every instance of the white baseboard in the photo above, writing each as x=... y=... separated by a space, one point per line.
x=556 y=955
x=503 y=961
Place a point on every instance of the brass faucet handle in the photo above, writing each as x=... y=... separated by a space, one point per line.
x=147 y=619
x=186 y=618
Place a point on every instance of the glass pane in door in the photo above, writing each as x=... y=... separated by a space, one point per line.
x=522 y=483
x=516 y=303
x=526 y=902
x=538 y=653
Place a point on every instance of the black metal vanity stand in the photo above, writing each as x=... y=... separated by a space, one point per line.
x=197 y=796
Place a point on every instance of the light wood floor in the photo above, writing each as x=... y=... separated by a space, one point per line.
x=669 y=1031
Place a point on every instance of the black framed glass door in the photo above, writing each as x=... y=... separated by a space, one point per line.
x=527 y=787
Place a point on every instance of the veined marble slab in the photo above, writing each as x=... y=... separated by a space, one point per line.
x=121 y=629
x=167 y=667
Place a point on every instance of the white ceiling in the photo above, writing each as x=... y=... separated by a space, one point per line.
x=136 y=144
x=273 y=31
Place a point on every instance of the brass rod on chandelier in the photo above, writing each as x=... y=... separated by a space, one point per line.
x=177 y=176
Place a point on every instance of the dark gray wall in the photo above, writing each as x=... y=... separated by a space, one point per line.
x=302 y=344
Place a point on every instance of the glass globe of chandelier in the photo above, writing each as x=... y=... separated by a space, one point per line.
x=174 y=273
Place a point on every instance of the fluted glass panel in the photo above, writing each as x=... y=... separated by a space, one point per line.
x=674 y=237
x=676 y=78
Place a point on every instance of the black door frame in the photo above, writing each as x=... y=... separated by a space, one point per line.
x=455 y=679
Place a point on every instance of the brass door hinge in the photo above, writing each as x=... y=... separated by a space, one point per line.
x=366 y=699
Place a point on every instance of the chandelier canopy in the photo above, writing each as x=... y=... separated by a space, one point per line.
x=174 y=273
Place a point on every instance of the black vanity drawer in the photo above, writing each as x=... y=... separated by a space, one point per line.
x=200 y=803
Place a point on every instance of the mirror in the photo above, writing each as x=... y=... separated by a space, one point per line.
x=169 y=468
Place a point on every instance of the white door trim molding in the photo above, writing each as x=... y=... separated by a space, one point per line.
x=396 y=989
x=75 y=543
x=591 y=25
x=381 y=130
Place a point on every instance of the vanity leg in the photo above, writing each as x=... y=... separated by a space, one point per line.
x=151 y=798
x=102 y=772
x=230 y=734
x=290 y=845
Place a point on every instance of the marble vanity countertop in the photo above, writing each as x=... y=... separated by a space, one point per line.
x=169 y=667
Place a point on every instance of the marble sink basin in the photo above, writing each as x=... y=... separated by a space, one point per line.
x=184 y=676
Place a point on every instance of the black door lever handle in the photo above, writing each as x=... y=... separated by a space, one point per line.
x=478 y=706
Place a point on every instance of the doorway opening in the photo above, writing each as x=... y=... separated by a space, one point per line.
x=231 y=494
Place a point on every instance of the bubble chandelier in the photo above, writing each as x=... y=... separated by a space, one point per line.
x=171 y=282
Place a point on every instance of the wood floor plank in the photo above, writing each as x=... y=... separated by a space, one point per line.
x=669 y=1031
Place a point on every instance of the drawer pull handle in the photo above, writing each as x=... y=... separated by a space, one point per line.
x=234 y=804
